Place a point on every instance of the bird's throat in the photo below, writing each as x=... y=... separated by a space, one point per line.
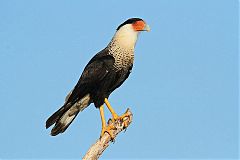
x=126 y=38
x=123 y=55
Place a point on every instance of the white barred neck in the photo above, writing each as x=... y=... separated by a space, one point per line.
x=125 y=37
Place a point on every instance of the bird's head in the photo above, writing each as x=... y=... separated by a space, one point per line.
x=128 y=31
x=134 y=24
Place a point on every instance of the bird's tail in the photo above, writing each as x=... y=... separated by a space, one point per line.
x=65 y=115
x=63 y=122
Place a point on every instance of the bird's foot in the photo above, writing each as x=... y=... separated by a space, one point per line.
x=121 y=118
x=109 y=130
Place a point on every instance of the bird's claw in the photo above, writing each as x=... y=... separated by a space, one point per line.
x=109 y=130
x=121 y=119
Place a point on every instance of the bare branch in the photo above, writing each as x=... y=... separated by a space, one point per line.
x=95 y=151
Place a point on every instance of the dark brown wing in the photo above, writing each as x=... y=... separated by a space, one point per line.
x=95 y=71
x=121 y=76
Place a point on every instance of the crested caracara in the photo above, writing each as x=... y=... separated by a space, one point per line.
x=105 y=72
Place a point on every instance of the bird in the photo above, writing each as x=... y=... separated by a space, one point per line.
x=104 y=73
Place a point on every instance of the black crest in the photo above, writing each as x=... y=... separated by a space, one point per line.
x=129 y=21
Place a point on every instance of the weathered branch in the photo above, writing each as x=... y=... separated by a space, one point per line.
x=95 y=151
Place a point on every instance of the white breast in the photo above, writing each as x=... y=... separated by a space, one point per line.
x=122 y=47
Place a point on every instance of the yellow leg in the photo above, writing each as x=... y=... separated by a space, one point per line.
x=102 y=116
x=104 y=127
x=114 y=114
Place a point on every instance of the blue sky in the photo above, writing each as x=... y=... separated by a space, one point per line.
x=183 y=90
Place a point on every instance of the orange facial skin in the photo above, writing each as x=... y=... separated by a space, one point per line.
x=138 y=25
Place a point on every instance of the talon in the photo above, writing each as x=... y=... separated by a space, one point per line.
x=114 y=114
x=121 y=118
x=108 y=129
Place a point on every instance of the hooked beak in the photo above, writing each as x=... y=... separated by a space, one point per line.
x=146 y=28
